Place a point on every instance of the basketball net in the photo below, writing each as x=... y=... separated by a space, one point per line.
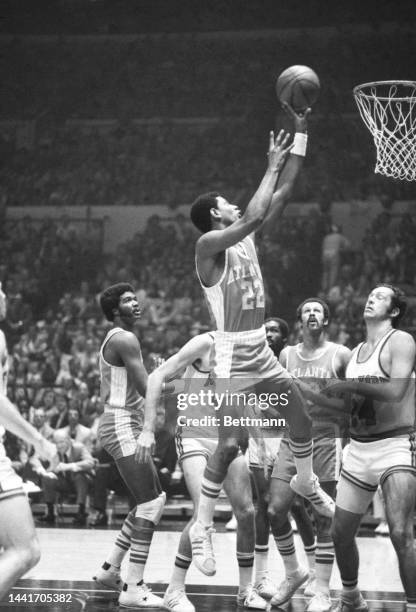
x=388 y=110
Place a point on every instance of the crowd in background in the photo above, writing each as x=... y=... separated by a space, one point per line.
x=195 y=110
x=54 y=270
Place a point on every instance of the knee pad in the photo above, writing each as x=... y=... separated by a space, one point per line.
x=152 y=510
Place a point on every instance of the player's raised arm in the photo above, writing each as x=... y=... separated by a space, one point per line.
x=293 y=165
x=192 y=350
x=225 y=235
x=128 y=348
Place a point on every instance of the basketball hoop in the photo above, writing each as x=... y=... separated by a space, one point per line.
x=388 y=110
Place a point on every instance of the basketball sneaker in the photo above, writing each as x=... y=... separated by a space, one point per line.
x=138 y=596
x=202 y=551
x=250 y=600
x=108 y=579
x=321 y=602
x=177 y=601
x=289 y=586
x=358 y=605
x=312 y=491
x=310 y=585
x=266 y=588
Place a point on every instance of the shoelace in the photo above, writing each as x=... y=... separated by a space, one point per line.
x=176 y=596
x=205 y=540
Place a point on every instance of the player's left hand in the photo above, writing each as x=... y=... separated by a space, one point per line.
x=145 y=447
x=300 y=119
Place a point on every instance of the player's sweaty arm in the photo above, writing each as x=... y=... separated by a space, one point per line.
x=287 y=178
x=216 y=241
x=192 y=350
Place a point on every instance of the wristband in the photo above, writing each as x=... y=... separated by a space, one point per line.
x=299 y=144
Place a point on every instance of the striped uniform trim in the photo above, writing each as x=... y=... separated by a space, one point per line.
x=325 y=553
x=18 y=492
x=357 y=482
x=245 y=559
x=210 y=489
x=394 y=469
x=286 y=544
x=309 y=550
x=178 y=441
x=301 y=450
x=349 y=584
x=412 y=441
x=140 y=545
x=259 y=548
x=182 y=561
x=194 y=453
x=123 y=544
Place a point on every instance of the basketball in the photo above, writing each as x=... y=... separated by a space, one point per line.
x=299 y=86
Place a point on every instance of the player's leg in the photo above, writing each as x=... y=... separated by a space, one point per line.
x=399 y=491
x=143 y=483
x=214 y=474
x=321 y=601
x=17 y=538
x=262 y=583
x=193 y=466
x=237 y=485
x=281 y=499
x=326 y=461
x=307 y=534
x=136 y=534
x=304 y=482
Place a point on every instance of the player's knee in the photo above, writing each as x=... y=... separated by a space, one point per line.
x=340 y=535
x=401 y=537
x=152 y=510
x=245 y=513
x=34 y=549
x=28 y=555
x=298 y=507
x=228 y=451
x=277 y=515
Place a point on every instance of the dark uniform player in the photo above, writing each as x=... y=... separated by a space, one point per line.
x=315 y=361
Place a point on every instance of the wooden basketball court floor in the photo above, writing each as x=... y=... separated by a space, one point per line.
x=71 y=556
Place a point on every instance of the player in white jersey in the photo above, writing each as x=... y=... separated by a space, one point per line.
x=18 y=540
x=123 y=386
x=382 y=450
x=315 y=362
x=230 y=276
x=196 y=440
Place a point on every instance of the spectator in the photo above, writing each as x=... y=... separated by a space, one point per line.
x=75 y=431
x=333 y=244
x=73 y=474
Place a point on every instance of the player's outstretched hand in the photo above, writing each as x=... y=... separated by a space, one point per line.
x=300 y=119
x=278 y=149
x=145 y=447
